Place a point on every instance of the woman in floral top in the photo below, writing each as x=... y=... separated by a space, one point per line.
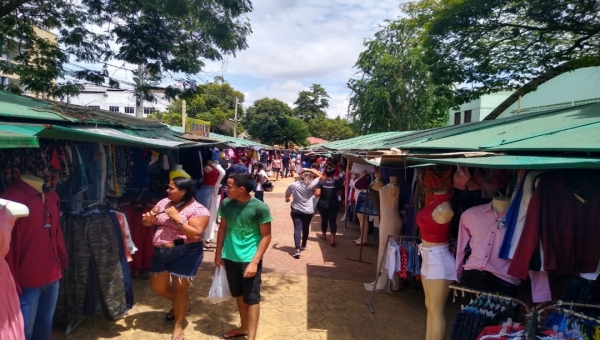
x=178 y=249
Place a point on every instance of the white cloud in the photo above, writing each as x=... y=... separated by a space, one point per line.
x=297 y=43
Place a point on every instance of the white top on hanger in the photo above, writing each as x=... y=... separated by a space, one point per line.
x=15 y=209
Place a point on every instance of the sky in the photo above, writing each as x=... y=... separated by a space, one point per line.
x=297 y=43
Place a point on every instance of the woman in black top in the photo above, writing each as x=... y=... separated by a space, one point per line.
x=329 y=191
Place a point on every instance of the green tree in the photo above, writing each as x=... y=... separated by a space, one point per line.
x=293 y=131
x=167 y=36
x=395 y=90
x=170 y=118
x=269 y=121
x=311 y=104
x=488 y=46
x=330 y=129
x=213 y=102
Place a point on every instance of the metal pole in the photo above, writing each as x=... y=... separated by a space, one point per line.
x=139 y=102
x=235 y=120
x=183 y=113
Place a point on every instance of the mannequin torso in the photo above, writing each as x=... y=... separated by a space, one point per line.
x=211 y=174
x=15 y=209
x=441 y=213
x=35 y=182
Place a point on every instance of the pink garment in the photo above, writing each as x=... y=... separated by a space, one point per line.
x=11 y=319
x=479 y=229
x=166 y=230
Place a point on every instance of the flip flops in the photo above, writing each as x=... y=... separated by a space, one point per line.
x=232 y=334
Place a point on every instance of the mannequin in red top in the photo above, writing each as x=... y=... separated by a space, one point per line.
x=437 y=270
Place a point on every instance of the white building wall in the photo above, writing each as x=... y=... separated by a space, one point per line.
x=105 y=98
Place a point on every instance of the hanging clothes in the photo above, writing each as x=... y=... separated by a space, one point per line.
x=141 y=237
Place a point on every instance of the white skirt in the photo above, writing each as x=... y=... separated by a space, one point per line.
x=438 y=263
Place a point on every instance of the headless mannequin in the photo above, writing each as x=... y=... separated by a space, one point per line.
x=390 y=224
x=362 y=219
x=500 y=204
x=214 y=203
x=374 y=188
x=15 y=209
x=36 y=183
x=178 y=172
x=437 y=291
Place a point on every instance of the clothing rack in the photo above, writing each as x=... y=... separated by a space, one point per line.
x=571 y=312
x=501 y=297
x=369 y=301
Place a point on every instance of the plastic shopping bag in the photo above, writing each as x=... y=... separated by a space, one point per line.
x=219 y=289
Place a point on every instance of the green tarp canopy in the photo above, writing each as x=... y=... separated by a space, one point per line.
x=82 y=133
x=11 y=138
x=511 y=162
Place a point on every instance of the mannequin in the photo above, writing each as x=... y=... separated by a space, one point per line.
x=390 y=224
x=178 y=172
x=15 y=209
x=11 y=321
x=374 y=188
x=361 y=185
x=214 y=202
x=438 y=264
x=36 y=274
x=35 y=182
x=483 y=227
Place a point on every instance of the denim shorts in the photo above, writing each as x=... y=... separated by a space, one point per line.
x=182 y=261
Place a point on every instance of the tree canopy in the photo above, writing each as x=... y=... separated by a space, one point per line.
x=213 y=102
x=395 y=90
x=495 y=45
x=270 y=121
x=166 y=36
x=330 y=129
x=311 y=104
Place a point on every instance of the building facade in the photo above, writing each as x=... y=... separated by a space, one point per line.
x=116 y=100
x=9 y=55
x=581 y=86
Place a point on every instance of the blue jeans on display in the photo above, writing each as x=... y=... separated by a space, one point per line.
x=38 y=305
x=204 y=195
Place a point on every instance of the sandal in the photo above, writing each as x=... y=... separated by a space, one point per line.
x=171 y=314
x=178 y=337
x=232 y=334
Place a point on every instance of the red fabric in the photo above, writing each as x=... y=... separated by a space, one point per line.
x=495 y=330
x=403 y=273
x=55 y=160
x=211 y=177
x=141 y=236
x=437 y=178
x=431 y=231
x=37 y=254
x=567 y=227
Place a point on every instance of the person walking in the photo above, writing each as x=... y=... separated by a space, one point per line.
x=243 y=238
x=276 y=165
x=260 y=178
x=329 y=192
x=285 y=162
x=178 y=248
x=303 y=207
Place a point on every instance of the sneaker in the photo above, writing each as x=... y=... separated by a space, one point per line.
x=297 y=255
x=303 y=248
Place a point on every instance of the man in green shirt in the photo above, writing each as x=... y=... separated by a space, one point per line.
x=244 y=236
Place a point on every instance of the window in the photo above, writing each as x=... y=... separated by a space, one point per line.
x=113 y=108
x=456 y=118
x=468 y=116
x=148 y=110
x=93 y=106
x=129 y=109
